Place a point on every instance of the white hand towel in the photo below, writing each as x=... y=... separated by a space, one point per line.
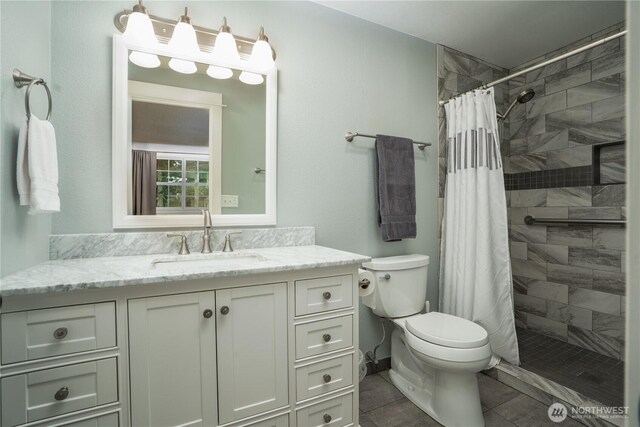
x=22 y=169
x=43 y=166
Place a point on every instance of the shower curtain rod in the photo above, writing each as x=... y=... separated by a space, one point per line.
x=548 y=62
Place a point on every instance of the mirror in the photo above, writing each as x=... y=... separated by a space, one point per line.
x=188 y=142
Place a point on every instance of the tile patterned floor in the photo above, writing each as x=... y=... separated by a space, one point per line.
x=382 y=405
x=596 y=376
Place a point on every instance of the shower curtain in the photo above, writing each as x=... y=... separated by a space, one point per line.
x=475 y=268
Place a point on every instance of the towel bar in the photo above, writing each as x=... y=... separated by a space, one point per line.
x=529 y=220
x=21 y=79
x=350 y=135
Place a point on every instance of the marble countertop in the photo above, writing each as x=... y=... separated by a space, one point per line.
x=108 y=272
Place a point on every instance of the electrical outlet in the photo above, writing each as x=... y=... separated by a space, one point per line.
x=229 y=201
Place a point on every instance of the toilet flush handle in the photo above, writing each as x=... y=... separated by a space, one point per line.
x=385 y=277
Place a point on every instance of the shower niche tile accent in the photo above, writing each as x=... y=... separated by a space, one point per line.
x=609 y=165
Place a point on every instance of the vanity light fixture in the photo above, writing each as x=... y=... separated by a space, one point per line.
x=225 y=47
x=219 y=72
x=251 y=78
x=184 y=40
x=140 y=31
x=261 y=54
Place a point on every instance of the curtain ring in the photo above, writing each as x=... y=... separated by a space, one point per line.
x=28 y=93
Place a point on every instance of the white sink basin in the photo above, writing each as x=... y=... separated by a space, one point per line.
x=205 y=261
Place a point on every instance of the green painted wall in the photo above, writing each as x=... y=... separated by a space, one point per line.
x=25 y=30
x=336 y=74
x=243 y=131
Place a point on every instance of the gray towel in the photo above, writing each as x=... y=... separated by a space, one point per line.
x=396 y=192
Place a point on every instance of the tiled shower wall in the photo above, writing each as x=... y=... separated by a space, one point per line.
x=568 y=280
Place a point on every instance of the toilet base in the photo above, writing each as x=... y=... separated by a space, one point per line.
x=452 y=399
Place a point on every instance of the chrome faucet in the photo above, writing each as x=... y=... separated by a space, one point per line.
x=206 y=244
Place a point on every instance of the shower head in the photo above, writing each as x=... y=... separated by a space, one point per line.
x=522 y=98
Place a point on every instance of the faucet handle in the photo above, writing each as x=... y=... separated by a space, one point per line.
x=227 y=241
x=207 y=218
x=184 y=246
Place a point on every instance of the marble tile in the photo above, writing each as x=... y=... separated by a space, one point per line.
x=440 y=60
x=402 y=413
x=546 y=104
x=576 y=212
x=547 y=71
x=520 y=319
x=613 y=172
x=593 y=341
x=595 y=300
x=570 y=117
x=623 y=306
x=609 y=238
x=606 y=324
x=520 y=284
x=597 y=259
x=608 y=65
x=528 y=233
x=451 y=81
x=573 y=235
x=518 y=250
x=68 y=246
x=455 y=63
x=597 y=90
x=570 y=157
x=574 y=276
x=493 y=393
x=516 y=89
x=532 y=270
x=591 y=54
x=528 y=162
x=548 y=141
x=549 y=291
x=596 y=133
x=609 y=195
x=465 y=83
x=569 y=314
x=442 y=173
x=493 y=419
x=611 y=108
x=569 y=196
x=548 y=253
x=547 y=212
x=528 y=198
x=519 y=146
x=516 y=215
x=549 y=327
x=529 y=304
x=526 y=385
x=527 y=127
x=567 y=79
x=609 y=281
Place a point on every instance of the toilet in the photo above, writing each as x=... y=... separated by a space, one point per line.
x=434 y=356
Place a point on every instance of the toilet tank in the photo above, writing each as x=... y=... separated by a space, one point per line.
x=400 y=285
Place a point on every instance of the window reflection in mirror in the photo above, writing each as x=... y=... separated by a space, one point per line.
x=195 y=143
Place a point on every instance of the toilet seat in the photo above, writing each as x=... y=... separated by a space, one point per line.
x=447 y=330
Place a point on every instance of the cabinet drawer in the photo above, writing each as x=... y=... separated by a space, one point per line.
x=279 y=421
x=335 y=412
x=29 y=335
x=110 y=420
x=324 y=294
x=43 y=394
x=324 y=335
x=322 y=377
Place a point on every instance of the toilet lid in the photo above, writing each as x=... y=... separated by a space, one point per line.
x=447 y=330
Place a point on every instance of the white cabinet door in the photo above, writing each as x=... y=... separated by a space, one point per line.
x=252 y=350
x=172 y=360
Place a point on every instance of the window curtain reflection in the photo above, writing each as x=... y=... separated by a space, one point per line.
x=144 y=183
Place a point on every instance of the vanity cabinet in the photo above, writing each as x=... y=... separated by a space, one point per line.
x=262 y=350
x=172 y=360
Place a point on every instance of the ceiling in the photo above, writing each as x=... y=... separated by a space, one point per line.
x=505 y=33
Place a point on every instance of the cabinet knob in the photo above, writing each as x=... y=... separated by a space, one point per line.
x=224 y=310
x=326 y=337
x=326 y=418
x=326 y=295
x=61 y=394
x=326 y=378
x=207 y=313
x=60 y=333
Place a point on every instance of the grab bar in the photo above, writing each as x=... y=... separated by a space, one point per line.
x=529 y=220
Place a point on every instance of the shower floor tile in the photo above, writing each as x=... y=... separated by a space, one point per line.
x=594 y=375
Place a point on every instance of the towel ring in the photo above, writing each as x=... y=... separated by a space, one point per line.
x=21 y=79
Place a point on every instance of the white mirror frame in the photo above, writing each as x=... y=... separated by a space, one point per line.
x=121 y=149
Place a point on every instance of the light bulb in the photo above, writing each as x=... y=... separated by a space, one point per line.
x=225 y=46
x=219 y=72
x=261 y=54
x=184 y=40
x=140 y=32
x=251 y=78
